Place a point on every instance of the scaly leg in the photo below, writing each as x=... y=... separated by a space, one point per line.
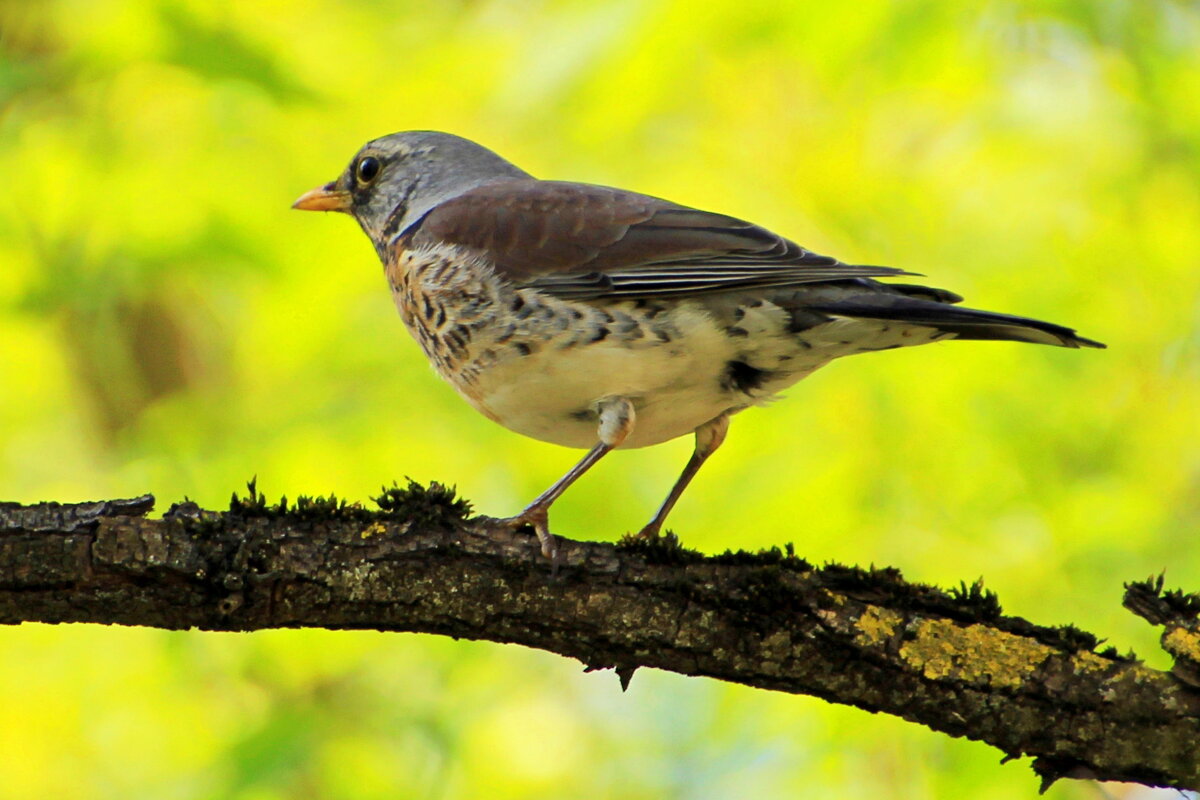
x=709 y=437
x=616 y=421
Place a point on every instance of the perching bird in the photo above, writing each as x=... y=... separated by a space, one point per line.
x=599 y=318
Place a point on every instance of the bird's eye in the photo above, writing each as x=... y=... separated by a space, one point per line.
x=367 y=169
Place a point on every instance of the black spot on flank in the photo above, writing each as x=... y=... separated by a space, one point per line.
x=734 y=330
x=804 y=344
x=600 y=334
x=517 y=304
x=801 y=320
x=654 y=312
x=754 y=304
x=741 y=377
x=662 y=335
x=575 y=313
x=508 y=334
x=583 y=415
x=640 y=303
x=738 y=313
x=427 y=307
x=441 y=316
x=844 y=342
x=524 y=349
x=625 y=323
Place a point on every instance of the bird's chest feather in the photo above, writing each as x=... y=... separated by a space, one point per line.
x=539 y=365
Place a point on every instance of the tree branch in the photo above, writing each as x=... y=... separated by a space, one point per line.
x=948 y=660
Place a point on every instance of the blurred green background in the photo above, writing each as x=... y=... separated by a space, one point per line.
x=168 y=325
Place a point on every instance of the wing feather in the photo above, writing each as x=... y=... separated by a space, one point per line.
x=581 y=241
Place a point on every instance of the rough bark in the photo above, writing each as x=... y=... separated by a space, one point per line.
x=948 y=660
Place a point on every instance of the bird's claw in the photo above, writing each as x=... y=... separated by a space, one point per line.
x=650 y=532
x=539 y=520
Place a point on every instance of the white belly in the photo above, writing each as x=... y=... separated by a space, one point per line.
x=675 y=386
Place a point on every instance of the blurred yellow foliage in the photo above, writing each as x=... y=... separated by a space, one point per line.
x=168 y=325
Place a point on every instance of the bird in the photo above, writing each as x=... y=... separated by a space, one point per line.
x=600 y=318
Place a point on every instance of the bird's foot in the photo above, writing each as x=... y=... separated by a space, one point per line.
x=652 y=531
x=537 y=518
x=652 y=536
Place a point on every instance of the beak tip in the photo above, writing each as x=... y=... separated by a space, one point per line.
x=323 y=198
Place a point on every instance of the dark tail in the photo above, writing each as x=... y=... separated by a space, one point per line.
x=920 y=305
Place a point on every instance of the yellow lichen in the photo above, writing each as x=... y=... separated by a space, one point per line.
x=1086 y=661
x=877 y=625
x=374 y=529
x=1182 y=643
x=977 y=654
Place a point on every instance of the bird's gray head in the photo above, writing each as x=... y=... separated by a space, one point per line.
x=395 y=180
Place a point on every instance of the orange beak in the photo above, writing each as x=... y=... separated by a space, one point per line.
x=324 y=198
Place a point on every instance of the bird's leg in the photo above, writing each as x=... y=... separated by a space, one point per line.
x=709 y=437
x=616 y=421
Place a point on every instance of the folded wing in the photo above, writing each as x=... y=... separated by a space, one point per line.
x=581 y=241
